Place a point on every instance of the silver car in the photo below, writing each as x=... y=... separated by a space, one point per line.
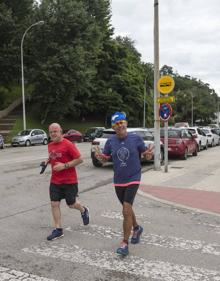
x=30 y=137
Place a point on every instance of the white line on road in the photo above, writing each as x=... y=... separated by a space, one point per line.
x=11 y=274
x=117 y=215
x=133 y=265
x=177 y=243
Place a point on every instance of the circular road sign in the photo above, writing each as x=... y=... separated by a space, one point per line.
x=165 y=111
x=165 y=84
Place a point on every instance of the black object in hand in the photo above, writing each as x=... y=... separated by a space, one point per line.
x=43 y=167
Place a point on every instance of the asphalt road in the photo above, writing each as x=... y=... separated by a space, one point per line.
x=177 y=244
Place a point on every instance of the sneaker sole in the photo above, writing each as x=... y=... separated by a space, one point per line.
x=56 y=238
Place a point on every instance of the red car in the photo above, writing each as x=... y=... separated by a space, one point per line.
x=73 y=136
x=180 y=142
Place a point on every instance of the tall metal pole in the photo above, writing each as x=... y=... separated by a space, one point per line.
x=192 y=109
x=218 y=112
x=156 y=92
x=22 y=71
x=144 y=114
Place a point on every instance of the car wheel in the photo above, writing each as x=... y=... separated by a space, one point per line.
x=27 y=143
x=185 y=155
x=212 y=145
x=206 y=146
x=195 y=153
x=45 y=141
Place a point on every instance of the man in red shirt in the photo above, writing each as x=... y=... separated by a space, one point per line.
x=63 y=157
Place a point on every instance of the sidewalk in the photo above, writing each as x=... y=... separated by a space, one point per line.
x=194 y=183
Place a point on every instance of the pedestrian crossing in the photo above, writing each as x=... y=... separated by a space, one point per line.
x=135 y=264
x=7 y=274
x=171 y=242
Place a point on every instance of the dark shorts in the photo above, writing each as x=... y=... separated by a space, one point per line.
x=69 y=192
x=126 y=193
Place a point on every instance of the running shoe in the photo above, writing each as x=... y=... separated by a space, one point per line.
x=123 y=249
x=136 y=235
x=85 y=216
x=56 y=233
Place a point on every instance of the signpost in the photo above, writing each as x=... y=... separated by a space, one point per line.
x=165 y=85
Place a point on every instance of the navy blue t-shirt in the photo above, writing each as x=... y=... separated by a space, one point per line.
x=126 y=158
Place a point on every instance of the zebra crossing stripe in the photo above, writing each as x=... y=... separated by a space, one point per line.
x=171 y=242
x=11 y=274
x=134 y=265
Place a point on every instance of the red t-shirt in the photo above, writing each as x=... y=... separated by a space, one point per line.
x=63 y=151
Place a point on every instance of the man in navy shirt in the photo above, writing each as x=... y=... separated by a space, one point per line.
x=125 y=149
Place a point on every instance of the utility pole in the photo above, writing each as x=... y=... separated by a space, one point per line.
x=157 y=166
x=192 y=110
x=144 y=114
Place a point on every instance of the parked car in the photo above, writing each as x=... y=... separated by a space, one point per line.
x=216 y=131
x=30 y=137
x=92 y=133
x=73 y=135
x=213 y=138
x=2 y=144
x=181 y=142
x=100 y=143
x=201 y=138
x=181 y=125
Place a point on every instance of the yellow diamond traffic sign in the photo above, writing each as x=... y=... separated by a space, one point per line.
x=165 y=99
x=165 y=84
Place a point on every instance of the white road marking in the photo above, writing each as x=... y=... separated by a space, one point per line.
x=134 y=265
x=11 y=274
x=177 y=243
x=212 y=227
x=117 y=215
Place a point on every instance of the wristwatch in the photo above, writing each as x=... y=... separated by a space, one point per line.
x=66 y=165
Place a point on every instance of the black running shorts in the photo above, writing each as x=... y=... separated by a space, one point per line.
x=69 y=192
x=126 y=193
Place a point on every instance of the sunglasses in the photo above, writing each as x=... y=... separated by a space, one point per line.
x=119 y=122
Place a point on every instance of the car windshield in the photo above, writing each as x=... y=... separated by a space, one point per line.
x=24 y=133
x=193 y=131
x=171 y=133
x=71 y=132
x=91 y=130
x=107 y=134
x=206 y=131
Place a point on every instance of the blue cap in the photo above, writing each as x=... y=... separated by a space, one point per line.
x=118 y=116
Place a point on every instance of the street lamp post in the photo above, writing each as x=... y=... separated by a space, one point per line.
x=157 y=166
x=192 y=109
x=145 y=92
x=22 y=70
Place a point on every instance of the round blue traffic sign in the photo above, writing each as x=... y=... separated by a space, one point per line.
x=165 y=111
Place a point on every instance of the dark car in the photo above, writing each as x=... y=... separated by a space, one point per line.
x=92 y=133
x=2 y=145
x=181 y=142
x=73 y=135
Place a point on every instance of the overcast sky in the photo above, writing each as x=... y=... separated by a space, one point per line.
x=189 y=34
